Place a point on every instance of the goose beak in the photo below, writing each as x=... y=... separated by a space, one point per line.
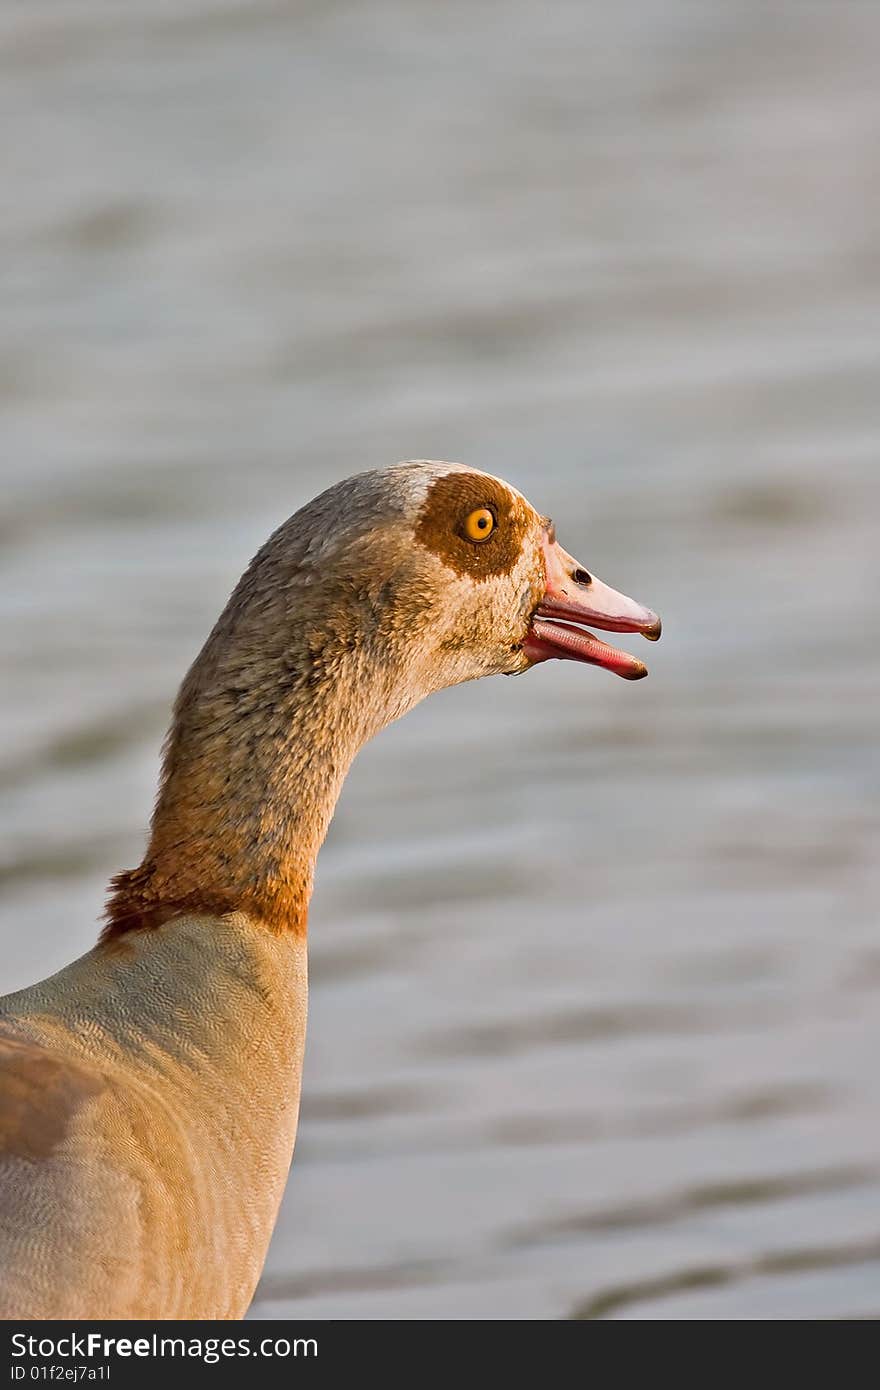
x=575 y=596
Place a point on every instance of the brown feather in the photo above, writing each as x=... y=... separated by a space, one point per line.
x=39 y=1096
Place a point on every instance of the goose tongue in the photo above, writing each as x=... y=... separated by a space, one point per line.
x=574 y=596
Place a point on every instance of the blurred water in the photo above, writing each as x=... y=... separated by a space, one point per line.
x=595 y=1018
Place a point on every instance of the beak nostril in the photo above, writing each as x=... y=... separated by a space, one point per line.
x=581 y=577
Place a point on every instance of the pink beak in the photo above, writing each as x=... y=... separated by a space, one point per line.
x=574 y=596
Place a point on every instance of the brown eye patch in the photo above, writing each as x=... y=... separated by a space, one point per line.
x=442 y=526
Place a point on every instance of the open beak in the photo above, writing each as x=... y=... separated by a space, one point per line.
x=574 y=596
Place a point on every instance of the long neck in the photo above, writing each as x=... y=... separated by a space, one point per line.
x=254 y=763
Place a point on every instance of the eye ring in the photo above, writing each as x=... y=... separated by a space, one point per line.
x=479 y=524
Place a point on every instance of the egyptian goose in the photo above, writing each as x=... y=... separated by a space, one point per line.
x=149 y=1091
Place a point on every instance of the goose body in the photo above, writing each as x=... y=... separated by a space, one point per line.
x=149 y=1091
x=148 y=1107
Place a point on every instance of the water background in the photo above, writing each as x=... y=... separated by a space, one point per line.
x=596 y=970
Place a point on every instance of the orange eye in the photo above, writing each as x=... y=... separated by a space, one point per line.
x=479 y=525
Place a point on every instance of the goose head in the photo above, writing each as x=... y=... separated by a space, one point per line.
x=440 y=573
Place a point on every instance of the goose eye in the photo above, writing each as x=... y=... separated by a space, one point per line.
x=479 y=525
